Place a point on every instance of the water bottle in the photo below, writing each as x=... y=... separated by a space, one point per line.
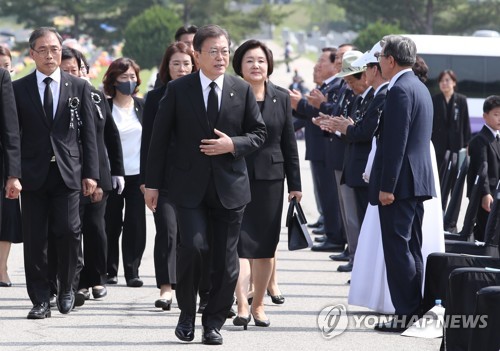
x=436 y=311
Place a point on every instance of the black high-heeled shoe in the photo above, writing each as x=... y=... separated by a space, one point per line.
x=276 y=299
x=261 y=322
x=163 y=304
x=242 y=321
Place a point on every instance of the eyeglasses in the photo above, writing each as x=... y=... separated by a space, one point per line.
x=178 y=65
x=214 y=52
x=44 y=51
x=379 y=55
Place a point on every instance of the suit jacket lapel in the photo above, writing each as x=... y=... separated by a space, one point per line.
x=32 y=88
x=228 y=97
x=64 y=88
x=269 y=101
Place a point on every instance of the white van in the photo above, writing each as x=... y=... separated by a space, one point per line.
x=475 y=61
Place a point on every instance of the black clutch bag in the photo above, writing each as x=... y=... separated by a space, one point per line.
x=298 y=236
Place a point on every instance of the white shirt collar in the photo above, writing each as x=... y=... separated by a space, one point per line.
x=495 y=132
x=367 y=90
x=396 y=76
x=329 y=80
x=380 y=87
x=205 y=81
x=56 y=76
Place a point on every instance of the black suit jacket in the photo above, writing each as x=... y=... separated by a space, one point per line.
x=483 y=147
x=150 y=108
x=278 y=156
x=402 y=164
x=359 y=138
x=108 y=142
x=451 y=126
x=182 y=112
x=39 y=138
x=314 y=136
x=10 y=143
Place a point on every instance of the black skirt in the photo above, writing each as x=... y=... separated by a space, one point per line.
x=11 y=221
x=261 y=226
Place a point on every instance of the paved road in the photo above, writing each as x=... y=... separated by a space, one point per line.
x=127 y=319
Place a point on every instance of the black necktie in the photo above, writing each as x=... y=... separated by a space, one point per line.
x=48 y=102
x=212 y=105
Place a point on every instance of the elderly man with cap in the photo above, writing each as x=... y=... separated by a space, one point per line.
x=352 y=203
x=358 y=132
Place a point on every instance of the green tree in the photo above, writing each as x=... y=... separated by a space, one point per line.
x=413 y=16
x=148 y=34
x=104 y=20
x=373 y=33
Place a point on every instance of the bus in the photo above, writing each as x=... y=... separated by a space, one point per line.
x=475 y=61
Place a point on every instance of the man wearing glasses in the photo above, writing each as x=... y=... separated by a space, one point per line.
x=58 y=161
x=216 y=122
x=401 y=177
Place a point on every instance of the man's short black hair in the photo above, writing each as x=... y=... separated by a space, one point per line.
x=185 y=30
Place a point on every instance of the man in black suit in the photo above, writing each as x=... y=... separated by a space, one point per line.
x=307 y=108
x=59 y=160
x=10 y=157
x=485 y=146
x=216 y=122
x=401 y=177
x=358 y=132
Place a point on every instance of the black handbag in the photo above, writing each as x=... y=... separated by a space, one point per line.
x=298 y=236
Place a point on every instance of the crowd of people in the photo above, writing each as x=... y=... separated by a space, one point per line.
x=208 y=153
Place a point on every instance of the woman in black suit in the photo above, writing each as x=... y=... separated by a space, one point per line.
x=11 y=231
x=267 y=168
x=451 y=126
x=178 y=61
x=121 y=82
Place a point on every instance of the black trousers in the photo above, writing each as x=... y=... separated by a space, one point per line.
x=329 y=201
x=401 y=225
x=132 y=224
x=165 y=242
x=209 y=227
x=95 y=242
x=51 y=209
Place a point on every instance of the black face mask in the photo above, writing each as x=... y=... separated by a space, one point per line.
x=126 y=88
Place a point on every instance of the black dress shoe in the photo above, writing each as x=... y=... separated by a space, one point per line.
x=344 y=256
x=345 y=268
x=231 y=313
x=99 y=293
x=40 y=311
x=316 y=224
x=320 y=239
x=326 y=246
x=5 y=285
x=163 y=304
x=319 y=230
x=135 y=283
x=185 y=327
x=392 y=326
x=112 y=279
x=211 y=336
x=65 y=301
x=80 y=297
